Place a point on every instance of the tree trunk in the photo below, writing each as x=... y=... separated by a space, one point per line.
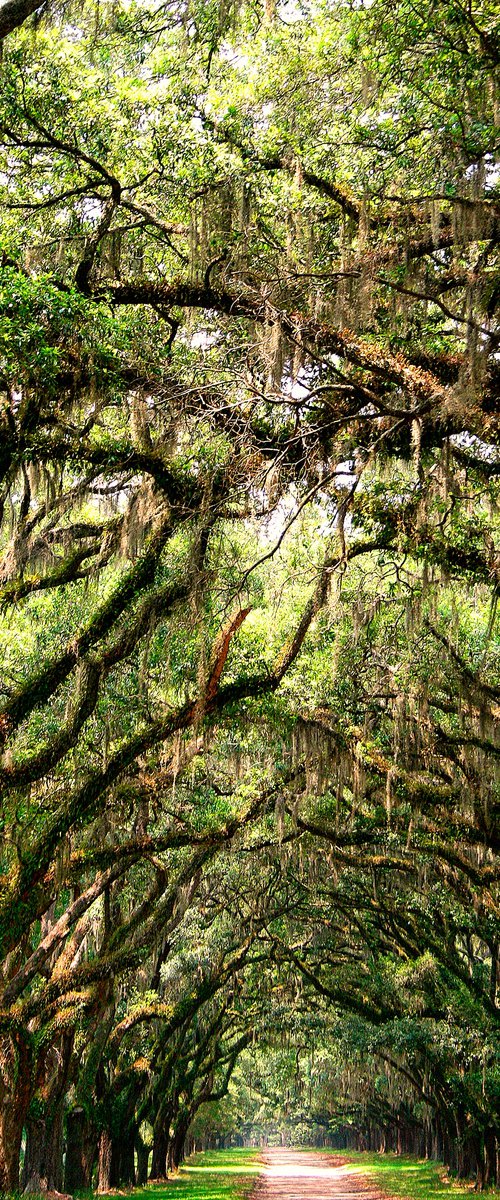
x=54 y=1153
x=33 y=1178
x=142 y=1160
x=11 y=1130
x=81 y=1147
x=43 y=1159
x=127 y=1164
x=104 y=1167
x=490 y=1157
x=176 y=1146
x=15 y=1093
x=475 y=1160
x=159 y=1159
x=116 y=1161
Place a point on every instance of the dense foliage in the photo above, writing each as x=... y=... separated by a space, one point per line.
x=249 y=465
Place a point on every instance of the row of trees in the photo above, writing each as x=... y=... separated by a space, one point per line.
x=248 y=581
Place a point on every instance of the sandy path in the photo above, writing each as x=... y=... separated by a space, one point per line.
x=292 y=1175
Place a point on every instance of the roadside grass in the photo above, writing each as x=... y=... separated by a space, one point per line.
x=410 y=1178
x=231 y=1175
x=214 y=1175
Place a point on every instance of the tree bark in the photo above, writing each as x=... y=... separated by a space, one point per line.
x=15 y=12
x=159 y=1159
x=11 y=1129
x=491 y=1157
x=126 y=1164
x=81 y=1148
x=43 y=1159
x=15 y=1094
x=105 y=1157
x=176 y=1146
x=142 y=1160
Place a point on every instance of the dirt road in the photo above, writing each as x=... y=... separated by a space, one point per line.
x=293 y=1175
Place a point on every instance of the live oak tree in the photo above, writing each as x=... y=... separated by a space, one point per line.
x=248 y=494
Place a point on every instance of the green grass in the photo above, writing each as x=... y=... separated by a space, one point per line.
x=215 y=1175
x=410 y=1178
x=231 y=1174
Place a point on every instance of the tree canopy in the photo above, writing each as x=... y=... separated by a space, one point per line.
x=249 y=575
